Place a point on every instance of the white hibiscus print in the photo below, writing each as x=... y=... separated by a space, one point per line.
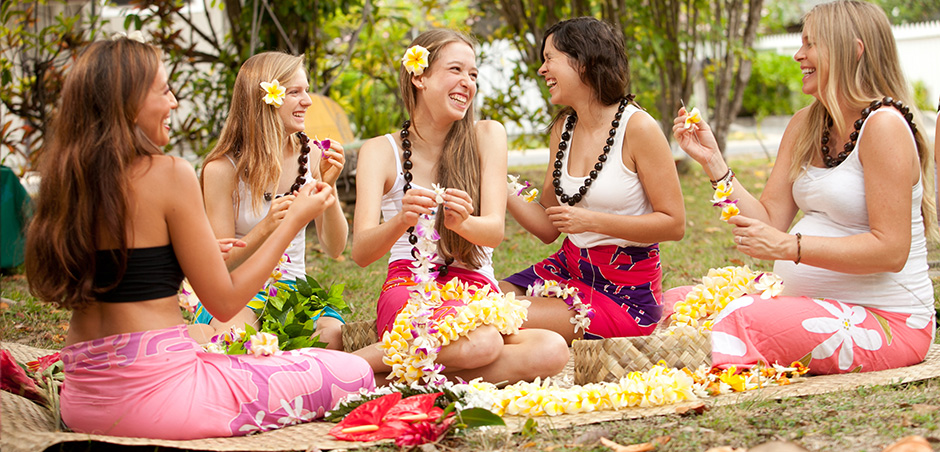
x=728 y=344
x=296 y=414
x=846 y=332
x=258 y=424
x=736 y=304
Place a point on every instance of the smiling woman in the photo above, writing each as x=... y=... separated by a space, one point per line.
x=251 y=176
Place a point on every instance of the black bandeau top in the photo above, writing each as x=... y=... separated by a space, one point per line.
x=151 y=273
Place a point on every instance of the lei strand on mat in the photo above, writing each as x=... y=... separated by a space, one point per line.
x=416 y=338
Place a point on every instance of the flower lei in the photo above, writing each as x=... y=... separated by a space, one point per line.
x=518 y=189
x=658 y=386
x=274 y=93
x=415 y=60
x=412 y=345
x=700 y=306
x=570 y=295
x=728 y=207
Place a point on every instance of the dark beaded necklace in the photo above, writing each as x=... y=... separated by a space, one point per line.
x=563 y=146
x=848 y=147
x=302 y=160
x=406 y=166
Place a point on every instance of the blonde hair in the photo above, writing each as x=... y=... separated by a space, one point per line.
x=834 y=28
x=254 y=132
x=459 y=164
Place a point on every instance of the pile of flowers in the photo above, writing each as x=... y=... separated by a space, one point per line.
x=416 y=338
x=517 y=188
x=718 y=288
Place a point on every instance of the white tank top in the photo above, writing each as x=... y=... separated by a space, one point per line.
x=245 y=220
x=616 y=190
x=391 y=206
x=833 y=204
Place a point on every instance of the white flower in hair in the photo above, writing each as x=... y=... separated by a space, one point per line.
x=135 y=35
x=273 y=93
x=415 y=60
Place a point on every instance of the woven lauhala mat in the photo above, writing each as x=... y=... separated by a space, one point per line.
x=28 y=427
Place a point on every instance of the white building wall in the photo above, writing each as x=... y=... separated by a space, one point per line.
x=918 y=50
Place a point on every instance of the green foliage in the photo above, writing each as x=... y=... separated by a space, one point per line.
x=774 y=88
x=919 y=91
x=34 y=56
x=290 y=314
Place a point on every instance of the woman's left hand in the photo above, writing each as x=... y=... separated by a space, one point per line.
x=569 y=219
x=332 y=162
x=758 y=239
x=458 y=206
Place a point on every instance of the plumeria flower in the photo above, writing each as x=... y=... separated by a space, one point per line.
x=438 y=193
x=415 y=60
x=729 y=210
x=694 y=117
x=722 y=191
x=262 y=344
x=531 y=195
x=769 y=284
x=273 y=93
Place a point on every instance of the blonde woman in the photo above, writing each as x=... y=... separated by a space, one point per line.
x=856 y=294
x=261 y=160
x=441 y=144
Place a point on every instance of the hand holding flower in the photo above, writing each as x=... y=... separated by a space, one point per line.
x=760 y=240
x=570 y=220
x=458 y=206
x=226 y=245
x=332 y=160
x=310 y=201
x=696 y=139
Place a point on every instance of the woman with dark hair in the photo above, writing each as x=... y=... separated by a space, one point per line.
x=442 y=145
x=856 y=294
x=250 y=176
x=118 y=225
x=612 y=188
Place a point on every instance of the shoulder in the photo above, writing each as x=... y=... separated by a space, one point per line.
x=800 y=118
x=886 y=120
x=376 y=147
x=643 y=123
x=218 y=168
x=489 y=127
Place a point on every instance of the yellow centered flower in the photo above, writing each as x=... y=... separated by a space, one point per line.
x=415 y=60
x=273 y=93
x=694 y=117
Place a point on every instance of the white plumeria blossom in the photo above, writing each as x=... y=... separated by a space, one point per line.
x=845 y=332
x=263 y=344
x=295 y=414
x=769 y=284
x=438 y=193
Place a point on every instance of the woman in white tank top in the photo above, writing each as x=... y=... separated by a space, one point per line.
x=612 y=188
x=442 y=145
x=261 y=159
x=856 y=294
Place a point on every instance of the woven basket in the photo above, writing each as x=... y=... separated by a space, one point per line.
x=611 y=359
x=358 y=335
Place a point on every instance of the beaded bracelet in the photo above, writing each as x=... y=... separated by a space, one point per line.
x=726 y=178
x=799 y=250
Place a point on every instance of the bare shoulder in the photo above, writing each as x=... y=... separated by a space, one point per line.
x=642 y=123
x=489 y=127
x=376 y=151
x=218 y=168
x=491 y=138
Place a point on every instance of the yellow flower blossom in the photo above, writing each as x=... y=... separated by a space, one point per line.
x=694 y=117
x=415 y=60
x=273 y=93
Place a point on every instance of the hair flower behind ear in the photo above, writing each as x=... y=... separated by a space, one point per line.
x=273 y=93
x=415 y=60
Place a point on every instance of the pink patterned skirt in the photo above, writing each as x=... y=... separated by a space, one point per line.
x=828 y=336
x=161 y=384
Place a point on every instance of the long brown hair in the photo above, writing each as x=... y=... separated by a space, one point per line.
x=83 y=191
x=459 y=165
x=254 y=133
x=833 y=28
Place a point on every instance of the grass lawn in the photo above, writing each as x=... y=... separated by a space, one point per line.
x=866 y=419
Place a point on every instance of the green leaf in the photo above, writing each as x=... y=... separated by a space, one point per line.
x=479 y=417
x=530 y=428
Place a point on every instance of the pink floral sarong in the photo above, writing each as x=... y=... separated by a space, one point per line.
x=161 y=384
x=833 y=337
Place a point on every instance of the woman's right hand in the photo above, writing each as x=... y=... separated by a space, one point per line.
x=698 y=140
x=278 y=211
x=417 y=202
x=311 y=200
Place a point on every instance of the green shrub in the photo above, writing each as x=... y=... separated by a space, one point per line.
x=775 y=87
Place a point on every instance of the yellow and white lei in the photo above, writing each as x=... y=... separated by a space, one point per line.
x=718 y=288
x=412 y=345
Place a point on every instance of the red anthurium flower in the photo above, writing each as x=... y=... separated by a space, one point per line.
x=390 y=416
x=424 y=432
x=14 y=379
x=367 y=422
x=42 y=363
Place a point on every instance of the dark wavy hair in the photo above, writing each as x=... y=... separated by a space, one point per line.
x=597 y=49
x=83 y=193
